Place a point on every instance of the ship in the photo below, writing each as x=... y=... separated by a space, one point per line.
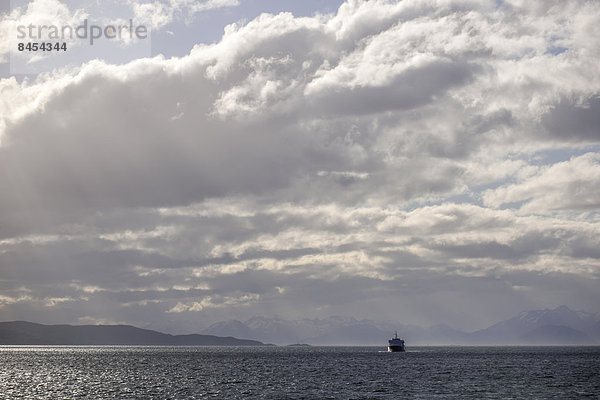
x=396 y=344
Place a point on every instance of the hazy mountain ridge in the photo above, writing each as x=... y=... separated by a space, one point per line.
x=25 y=333
x=558 y=326
x=537 y=327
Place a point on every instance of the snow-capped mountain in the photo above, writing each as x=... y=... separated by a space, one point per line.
x=558 y=326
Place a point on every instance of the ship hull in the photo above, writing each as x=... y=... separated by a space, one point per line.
x=394 y=349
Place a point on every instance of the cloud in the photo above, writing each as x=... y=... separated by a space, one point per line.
x=160 y=13
x=566 y=186
x=571 y=121
x=310 y=166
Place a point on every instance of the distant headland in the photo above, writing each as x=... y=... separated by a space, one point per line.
x=29 y=333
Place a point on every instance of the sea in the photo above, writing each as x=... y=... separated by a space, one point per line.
x=159 y=372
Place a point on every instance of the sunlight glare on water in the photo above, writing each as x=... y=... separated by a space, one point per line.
x=126 y=372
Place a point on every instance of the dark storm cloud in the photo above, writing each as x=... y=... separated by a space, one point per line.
x=527 y=245
x=571 y=120
x=98 y=163
x=412 y=88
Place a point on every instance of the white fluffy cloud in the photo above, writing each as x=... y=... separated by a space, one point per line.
x=411 y=151
x=159 y=13
x=572 y=185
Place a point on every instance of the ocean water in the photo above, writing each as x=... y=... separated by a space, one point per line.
x=126 y=372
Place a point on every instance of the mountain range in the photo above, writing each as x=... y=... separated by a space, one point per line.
x=560 y=326
x=24 y=333
x=537 y=327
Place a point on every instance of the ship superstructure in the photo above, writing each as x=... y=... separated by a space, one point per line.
x=395 y=343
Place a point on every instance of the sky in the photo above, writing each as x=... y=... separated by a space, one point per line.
x=414 y=161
